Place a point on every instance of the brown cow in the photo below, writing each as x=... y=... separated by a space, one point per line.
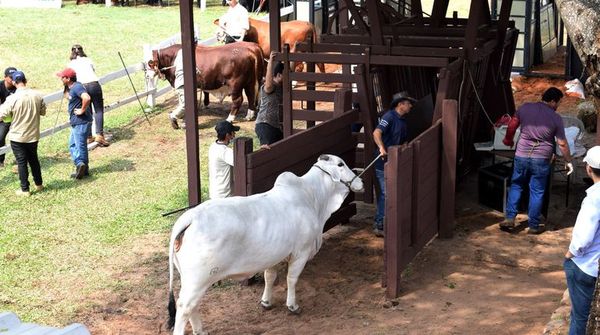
x=220 y=70
x=292 y=32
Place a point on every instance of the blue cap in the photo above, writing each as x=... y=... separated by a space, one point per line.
x=9 y=71
x=18 y=76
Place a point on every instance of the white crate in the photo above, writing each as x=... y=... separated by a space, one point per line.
x=499 y=134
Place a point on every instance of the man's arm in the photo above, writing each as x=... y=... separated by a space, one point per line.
x=269 y=75
x=85 y=101
x=509 y=138
x=377 y=137
x=585 y=228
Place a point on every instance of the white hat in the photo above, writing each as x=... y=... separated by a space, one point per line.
x=592 y=158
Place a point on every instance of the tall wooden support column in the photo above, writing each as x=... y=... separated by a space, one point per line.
x=438 y=13
x=274 y=26
x=241 y=147
x=448 y=168
x=186 y=17
x=375 y=21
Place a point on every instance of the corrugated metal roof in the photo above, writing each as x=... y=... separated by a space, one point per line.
x=10 y=324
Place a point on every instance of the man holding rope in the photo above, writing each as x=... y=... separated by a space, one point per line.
x=391 y=130
x=234 y=22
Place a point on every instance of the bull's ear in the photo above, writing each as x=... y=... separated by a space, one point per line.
x=324 y=157
x=151 y=63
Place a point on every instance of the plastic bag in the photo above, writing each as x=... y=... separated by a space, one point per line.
x=575 y=88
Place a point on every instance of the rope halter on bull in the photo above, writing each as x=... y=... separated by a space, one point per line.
x=348 y=183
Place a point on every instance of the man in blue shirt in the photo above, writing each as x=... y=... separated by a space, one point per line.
x=80 y=118
x=391 y=130
x=581 y=260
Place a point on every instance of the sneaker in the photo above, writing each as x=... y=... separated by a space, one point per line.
x=173 y=122
x=507 y=223
x=378 y=232
x=90 y=139
x=536 y=231
x=39 y=188
x=22 y=193
x=79 y=171
x=101 y=141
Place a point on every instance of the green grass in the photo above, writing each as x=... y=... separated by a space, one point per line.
x=61 y=247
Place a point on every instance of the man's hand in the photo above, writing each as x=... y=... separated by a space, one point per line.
x=382 y=152
x=78 y=111
x=508 y=142
x=569 y=167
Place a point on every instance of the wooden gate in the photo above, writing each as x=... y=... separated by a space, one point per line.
x=419 y=183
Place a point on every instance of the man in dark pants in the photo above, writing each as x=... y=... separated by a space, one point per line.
x=25 y=107
x=581 y=259
x=6 y=88
x=391 y=130
x=267 y=125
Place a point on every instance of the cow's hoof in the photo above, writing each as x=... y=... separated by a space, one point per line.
x=250 y=115
x=295 y=311
x=267 y=306
x=230 y=118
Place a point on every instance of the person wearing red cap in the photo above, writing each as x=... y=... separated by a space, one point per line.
x=80 y=118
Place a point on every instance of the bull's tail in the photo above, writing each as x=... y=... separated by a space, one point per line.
x=176 y=235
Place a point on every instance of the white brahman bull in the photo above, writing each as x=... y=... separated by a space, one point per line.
x=239 y=236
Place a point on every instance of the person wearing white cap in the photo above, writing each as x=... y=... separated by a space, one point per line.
x=581 y=260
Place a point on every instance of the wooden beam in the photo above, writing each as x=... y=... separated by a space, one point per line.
x=375 y=20
x=448 y=168
x=274 y=26
x=438 y=13
x=186 y=17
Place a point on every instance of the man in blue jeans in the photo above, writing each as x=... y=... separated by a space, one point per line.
x=80 y=118
x=540 y=124
x=581 y=260
x=391 y=130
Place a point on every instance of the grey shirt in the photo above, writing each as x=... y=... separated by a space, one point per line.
x=268 y=109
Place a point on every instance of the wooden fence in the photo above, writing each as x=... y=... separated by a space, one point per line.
x=256 y=172
x=419 y=183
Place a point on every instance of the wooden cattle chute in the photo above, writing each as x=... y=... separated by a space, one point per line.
x=435 y=59
x=255 y=172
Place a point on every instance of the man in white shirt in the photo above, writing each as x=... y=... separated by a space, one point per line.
x=220 y=161
x=235 y=22
x=581 y=260
x=179 y=111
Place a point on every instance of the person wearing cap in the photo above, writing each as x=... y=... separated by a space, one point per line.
x=6 y=88
x=86 y=74
x=220 y=161
x=25 y=107
x=540 y=124
x=581 y=259
x=267 y=125
x=179 y=111
x=391 y=130
x=80 y=118
x=234 y=22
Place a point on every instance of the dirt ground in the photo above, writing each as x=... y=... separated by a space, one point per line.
x=481 y=281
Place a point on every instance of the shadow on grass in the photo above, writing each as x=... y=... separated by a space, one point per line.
x=95 y=172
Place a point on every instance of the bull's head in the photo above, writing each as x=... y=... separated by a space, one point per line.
x=337 y=169
x=154 y=66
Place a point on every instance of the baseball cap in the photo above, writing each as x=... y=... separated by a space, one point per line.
x=66 y=72
x=401 y=96
x=18 y=76
x=9 y=71
x=592 y=158
x=225 y=127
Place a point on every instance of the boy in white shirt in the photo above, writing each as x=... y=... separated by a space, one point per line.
x=220 y=161
x=235 y=22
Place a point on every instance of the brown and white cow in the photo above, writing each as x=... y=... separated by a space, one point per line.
x=221 y=70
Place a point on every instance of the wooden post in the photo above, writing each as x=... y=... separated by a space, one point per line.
x=448 y=168
x=342 y=101
x=241 y=148
x=398 y=217
x=368 y=116
x=189 y=77
x=274 y=25
x=287 y=97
